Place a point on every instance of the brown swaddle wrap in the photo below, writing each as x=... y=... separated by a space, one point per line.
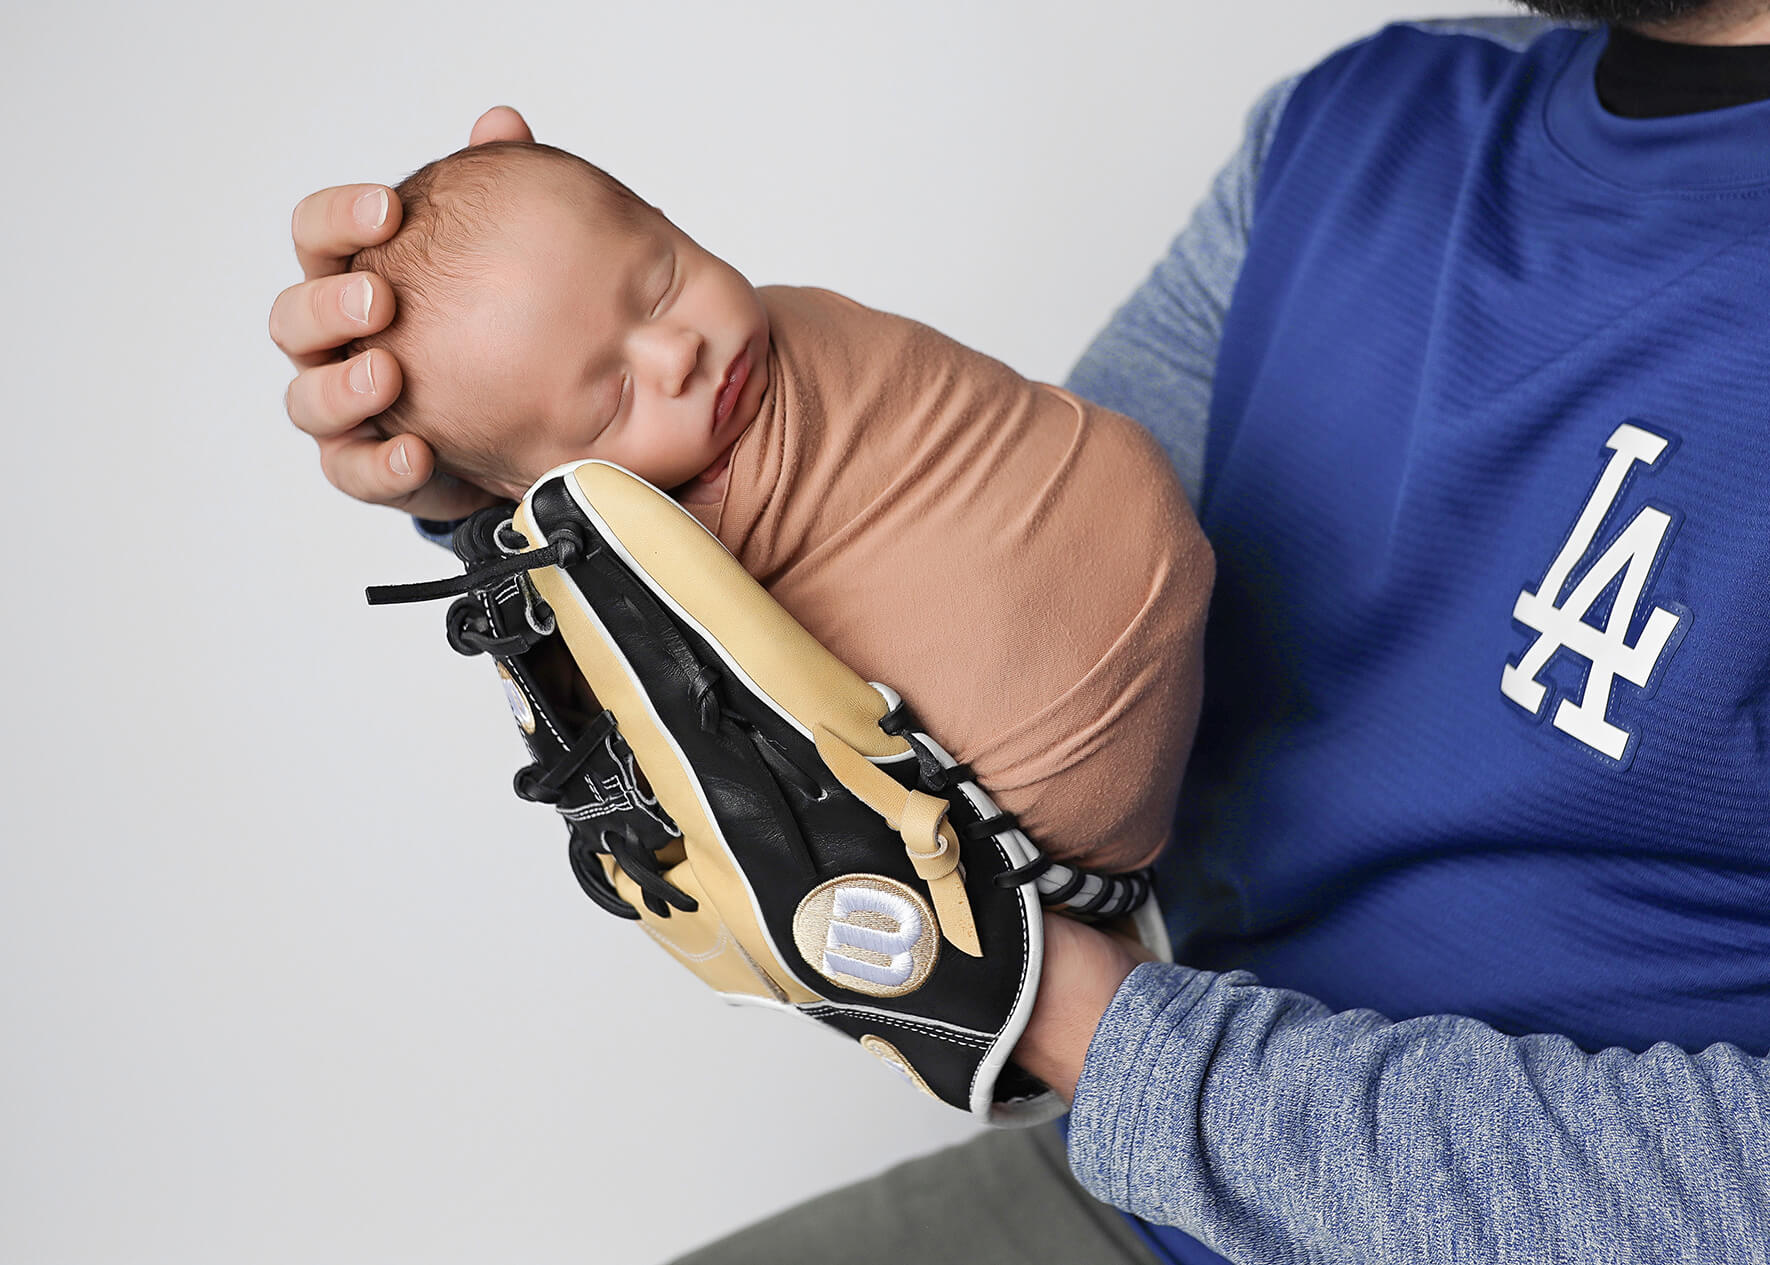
x=1020 y=565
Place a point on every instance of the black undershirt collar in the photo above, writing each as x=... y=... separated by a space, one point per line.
x=1642 y=78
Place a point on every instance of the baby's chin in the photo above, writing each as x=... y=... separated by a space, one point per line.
x=707 y=487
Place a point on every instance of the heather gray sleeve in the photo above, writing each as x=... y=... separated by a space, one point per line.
x=1277 y=1131
x=438 y=532
x=1156 y=358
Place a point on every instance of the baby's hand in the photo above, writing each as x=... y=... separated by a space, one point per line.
x=331 y=399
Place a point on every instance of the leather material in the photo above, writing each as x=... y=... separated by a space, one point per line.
x=715 y=693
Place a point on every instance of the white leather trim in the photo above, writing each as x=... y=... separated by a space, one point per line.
x=1017 y=849
x=614 y=541
x=675 y=748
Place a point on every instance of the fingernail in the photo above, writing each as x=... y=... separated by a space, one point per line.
x=357 y=297
x=362 y=375
x=370 y=209
x=398 y=460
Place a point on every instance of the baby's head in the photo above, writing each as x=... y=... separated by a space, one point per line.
x=546 y=314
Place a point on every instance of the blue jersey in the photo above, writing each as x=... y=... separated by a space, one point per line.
x=1487 y=719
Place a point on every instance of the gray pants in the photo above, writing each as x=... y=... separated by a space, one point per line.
x=1004 y=1198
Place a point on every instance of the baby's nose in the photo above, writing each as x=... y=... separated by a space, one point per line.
x=673 y=355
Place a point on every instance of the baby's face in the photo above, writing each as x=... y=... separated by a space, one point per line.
x=593 y=339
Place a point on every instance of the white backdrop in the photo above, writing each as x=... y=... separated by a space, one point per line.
x=286 y=974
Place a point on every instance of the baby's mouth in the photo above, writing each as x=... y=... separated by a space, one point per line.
x=731 y=387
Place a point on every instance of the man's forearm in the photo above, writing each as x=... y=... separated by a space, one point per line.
x=1081 y=972
x=1276 y=1130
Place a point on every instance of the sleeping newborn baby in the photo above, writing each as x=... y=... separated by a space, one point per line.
x=1020 y=565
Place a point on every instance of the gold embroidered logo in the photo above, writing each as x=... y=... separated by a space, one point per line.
x=868 y=933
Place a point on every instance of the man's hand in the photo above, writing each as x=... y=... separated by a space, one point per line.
x=1082 y=971
x=331 y=399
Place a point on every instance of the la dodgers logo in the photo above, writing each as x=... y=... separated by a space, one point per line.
x=1561 y=624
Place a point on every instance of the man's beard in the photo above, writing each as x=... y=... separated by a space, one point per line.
x=1620 y=11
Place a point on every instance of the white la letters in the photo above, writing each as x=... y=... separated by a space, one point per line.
x=1561 y=625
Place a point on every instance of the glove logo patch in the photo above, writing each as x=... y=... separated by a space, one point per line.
x=868 y=933
x=519 y=703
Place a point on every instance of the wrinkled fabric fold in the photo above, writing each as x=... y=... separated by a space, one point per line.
x=1020 y=565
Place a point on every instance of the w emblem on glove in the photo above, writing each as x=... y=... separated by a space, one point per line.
x=869 y=933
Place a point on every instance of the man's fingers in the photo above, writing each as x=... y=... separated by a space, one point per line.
x=334 y=398
x=500 y=123
x=399 y=472
x=332 y=225
x=311 y=319
x=360 y=463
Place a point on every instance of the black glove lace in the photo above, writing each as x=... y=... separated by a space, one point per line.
x=640 y=864
x=565 y=548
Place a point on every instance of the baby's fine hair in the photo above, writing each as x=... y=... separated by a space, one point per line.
x=450 y=207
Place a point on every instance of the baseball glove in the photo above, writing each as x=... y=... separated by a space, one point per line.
x=783 y=828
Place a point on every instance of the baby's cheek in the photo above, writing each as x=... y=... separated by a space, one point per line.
x=525 y=458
